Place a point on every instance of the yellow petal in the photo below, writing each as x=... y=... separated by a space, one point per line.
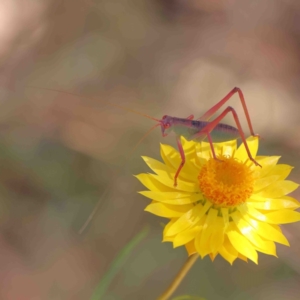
x=274 y=204
x=187 y=235
x=190 y=247
x=226 y=255
x=202 y=240
x=169 y=154
x=276 y=217
x=283 y=216
x=241 y=244
x=202 y=251
x=267 y=231
x=276 y=227
x=225 y=148
x=242 y=257
x=291 y=199
x=227 y=251
x=256 y=198
x=189 y=219
x=168 y=238
x=158 y=167
x=282 y=171
x=181 y=185
x=175 y=198
x=278 y=189
x=217 y=237
x=166 y=176
x=263 y=182
x=229 y=148
x=228 y=246
x=189 y=146
x=249 y=210
x=168 y=210
x=188 y=171
x=267 y=164
x=241 y=153
x=204 y=151
x=199 y=161
x=259 y=158
x=213 y=256
x=150 y=182
x=172 y=159
x=224 y=211
x=182 y=239
x=250 y=233
x=269 y=248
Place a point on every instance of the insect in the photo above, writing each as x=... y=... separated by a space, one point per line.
x=199 y=129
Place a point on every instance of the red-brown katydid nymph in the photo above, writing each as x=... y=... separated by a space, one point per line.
x=199 y=129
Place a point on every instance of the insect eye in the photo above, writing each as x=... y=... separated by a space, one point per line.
x=167 y=125
x=164 y=117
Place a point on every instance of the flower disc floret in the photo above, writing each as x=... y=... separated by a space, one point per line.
x=226 y=182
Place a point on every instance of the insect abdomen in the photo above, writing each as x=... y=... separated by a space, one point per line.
x=190 y=128
x=223 y=132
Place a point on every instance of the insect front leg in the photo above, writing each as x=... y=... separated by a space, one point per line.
x=201 y=136
x=182 y=155
x=181 y=151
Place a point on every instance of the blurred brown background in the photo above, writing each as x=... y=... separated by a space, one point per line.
x=62 y=154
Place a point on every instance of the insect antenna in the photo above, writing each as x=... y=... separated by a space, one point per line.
x=89 y=98
x=96 y=208
x=142 y=138
x=92 y=214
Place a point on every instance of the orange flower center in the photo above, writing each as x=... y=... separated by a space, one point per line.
x=226 y=184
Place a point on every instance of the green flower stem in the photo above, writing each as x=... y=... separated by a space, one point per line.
x=115 y=267
x=179 y=277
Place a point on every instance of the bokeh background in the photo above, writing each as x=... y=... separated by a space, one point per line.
x=61 y=154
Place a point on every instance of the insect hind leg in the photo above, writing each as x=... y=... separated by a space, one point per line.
x=210 y=126
x=217 y=106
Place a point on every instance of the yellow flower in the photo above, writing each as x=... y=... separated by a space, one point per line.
x=232 y=208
